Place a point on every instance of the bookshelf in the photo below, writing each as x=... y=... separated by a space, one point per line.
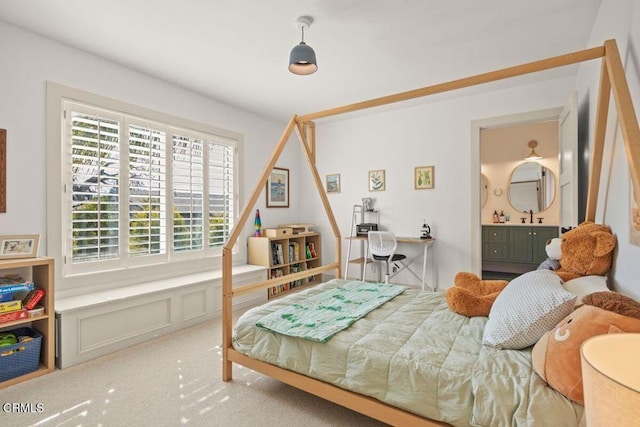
x=40 y=272
x=287 y=255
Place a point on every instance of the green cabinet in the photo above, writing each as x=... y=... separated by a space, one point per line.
x=515 y=249
x=495 y=242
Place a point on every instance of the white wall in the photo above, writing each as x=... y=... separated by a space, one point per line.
x=436 y=134
x=618 y=19
x=28 y=61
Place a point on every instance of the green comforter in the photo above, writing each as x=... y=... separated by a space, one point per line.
x=416 y=354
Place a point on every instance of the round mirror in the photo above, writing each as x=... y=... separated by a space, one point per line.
x=484 y=190
x=532 y=187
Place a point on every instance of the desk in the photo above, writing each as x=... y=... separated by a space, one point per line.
x=426 y=243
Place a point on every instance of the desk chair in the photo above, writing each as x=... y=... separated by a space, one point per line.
x=382 y=247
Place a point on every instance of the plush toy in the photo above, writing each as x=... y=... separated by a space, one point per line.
x=583 y=251
x=556 y=356
x=554 y=254
x=587 y=250
x=471 y=296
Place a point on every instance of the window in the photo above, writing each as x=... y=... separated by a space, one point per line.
x=140 y=192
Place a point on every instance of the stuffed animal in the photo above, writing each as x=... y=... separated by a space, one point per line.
x=556 y=356
x=553 y=249
x=471 y=296
x=583 y=251
x=587 y=250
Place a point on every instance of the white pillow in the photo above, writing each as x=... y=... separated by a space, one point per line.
x=529 y=306
x=586 y=285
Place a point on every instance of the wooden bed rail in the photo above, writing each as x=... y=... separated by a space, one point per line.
x=613 y=79
x=253 y=287
x=363 y=404
x=518 y=70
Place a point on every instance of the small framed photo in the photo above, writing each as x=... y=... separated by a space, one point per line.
x=376 y=180
x=333 y=183
x=423 y=177
x=278 y=188
x=25 y=246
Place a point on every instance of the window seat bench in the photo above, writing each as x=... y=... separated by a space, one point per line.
x=98 y=323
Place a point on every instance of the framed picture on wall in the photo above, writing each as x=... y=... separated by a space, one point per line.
x=23 y=246
x=377 y=180
x=423 y=177
x=333 y=183
x=278 y=188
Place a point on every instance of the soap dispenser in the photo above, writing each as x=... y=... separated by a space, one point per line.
x=496 y=218
x=501 y=217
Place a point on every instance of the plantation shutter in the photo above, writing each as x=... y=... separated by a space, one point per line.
x=95 y=194
x=147 y=191
x=188 y=192
x=221 y=213
x=140 y=192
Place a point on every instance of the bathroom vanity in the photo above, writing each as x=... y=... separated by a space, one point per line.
x=516 y=248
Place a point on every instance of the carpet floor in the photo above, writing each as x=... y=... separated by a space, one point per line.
x=173 y=380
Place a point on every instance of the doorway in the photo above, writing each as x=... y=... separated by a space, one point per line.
x=501 y=188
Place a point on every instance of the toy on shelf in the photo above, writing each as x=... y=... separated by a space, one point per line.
x=257 y=223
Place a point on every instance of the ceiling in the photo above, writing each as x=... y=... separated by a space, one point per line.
x=237 y=51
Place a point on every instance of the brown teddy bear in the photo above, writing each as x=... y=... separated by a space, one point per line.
x=586 y=250
x=556 y=356
x=471 y=296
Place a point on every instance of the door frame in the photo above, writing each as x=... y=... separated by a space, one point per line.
x=476 y=209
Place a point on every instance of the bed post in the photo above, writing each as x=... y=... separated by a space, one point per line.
x=323 y=196
x=227 y=307
x=602 y=114
x=627 y=118
x=227 y=257
x=310 y=132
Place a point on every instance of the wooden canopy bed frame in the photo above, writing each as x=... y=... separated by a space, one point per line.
x=612 y=79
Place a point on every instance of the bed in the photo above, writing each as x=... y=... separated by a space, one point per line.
x=415 y=354
x=460 y=388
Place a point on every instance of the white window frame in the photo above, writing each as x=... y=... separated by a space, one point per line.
x=126 y=270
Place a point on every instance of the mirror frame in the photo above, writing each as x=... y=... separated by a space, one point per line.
x=484 y=190
x=555 y=185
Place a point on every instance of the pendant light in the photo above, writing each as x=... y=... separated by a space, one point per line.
x=533 y=156
x=302 y=59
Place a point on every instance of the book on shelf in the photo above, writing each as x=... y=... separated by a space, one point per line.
x=280 y=254
x=296 y=268
x=296 y=251
x=13 y=315
x=307 y=251
x=13 y=283
x=9 y=306
x=277 y=272
x=276 y=253
x=32 y=298
x=275 y=290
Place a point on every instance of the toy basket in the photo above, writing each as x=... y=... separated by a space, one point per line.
x=22 y=357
